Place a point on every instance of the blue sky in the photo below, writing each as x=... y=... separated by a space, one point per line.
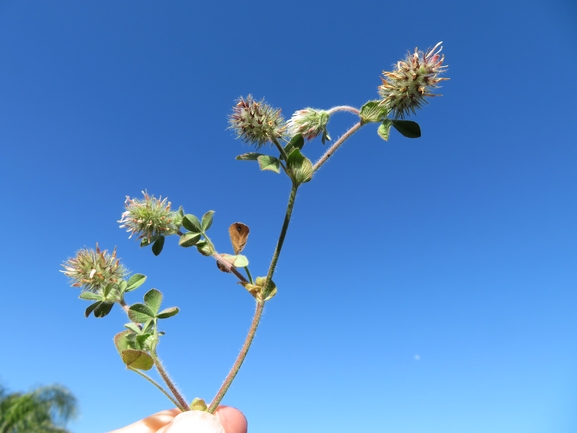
x=426 y=285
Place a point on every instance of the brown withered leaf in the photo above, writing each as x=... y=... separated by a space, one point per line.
x=238 y=233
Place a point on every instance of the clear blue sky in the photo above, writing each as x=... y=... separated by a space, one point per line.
x=427 y=286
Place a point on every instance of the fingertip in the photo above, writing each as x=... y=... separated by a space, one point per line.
x=232 y=419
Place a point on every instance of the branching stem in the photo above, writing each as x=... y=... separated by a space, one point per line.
x=160 y=388
x=259 y=307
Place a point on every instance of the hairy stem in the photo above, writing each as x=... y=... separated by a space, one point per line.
x=344 y=108
x=283 y=232
x=259 y=307
x=239 y=359
x=160 y=388
x=229 y=267
x=280 y=149
x=335 y=146
x=181 y=402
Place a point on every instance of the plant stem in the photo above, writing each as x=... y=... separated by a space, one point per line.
x=160 y=388
x=283 y=231
x=280 y=149
x=343 y=108
x=239 y=359
x=181 y=402
x=259 y=307
x=229 y=267
x=335 y=146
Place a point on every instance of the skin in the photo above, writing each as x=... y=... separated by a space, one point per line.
x=226 y=420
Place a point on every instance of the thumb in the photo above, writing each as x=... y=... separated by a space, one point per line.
x=195 y=421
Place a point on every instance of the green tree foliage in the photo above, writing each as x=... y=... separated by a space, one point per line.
x=46 y=409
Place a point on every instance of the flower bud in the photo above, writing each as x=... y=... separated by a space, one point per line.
x=404 y=90
x=309 y=123
x=256 y=122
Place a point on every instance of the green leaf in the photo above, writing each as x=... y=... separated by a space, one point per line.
x=107 y=290
x=91 y=308
x=207 y=220
x=373 y=112
x=133 y=327
x=205 y=248
x=297 y=142
x=250 y=156
x=198 y=404
x=143 y=341
x=269 y=291
x=299 y=167
x=189 y=239
x=158 y=245
x=240 y=261
x=137 y=359
x=153 y=299
x=270 y=163
x=144 y=242
x=385 y=129
x=139 y=313
x=90 y=296
x=135 y=281
x=148 y=326
x=190 y=222
x=121 y=342
x=167 y=312
x=122 y=286
x=408 y=128
x=102 y=309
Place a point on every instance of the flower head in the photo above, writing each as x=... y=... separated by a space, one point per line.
x=94 y=269
x=404 y=90
x=309 y=123
x=256 y=122
x=149 y=217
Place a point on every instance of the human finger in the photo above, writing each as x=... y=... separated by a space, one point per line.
x=194 y=421
x=232 y=419
x=150 y=424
